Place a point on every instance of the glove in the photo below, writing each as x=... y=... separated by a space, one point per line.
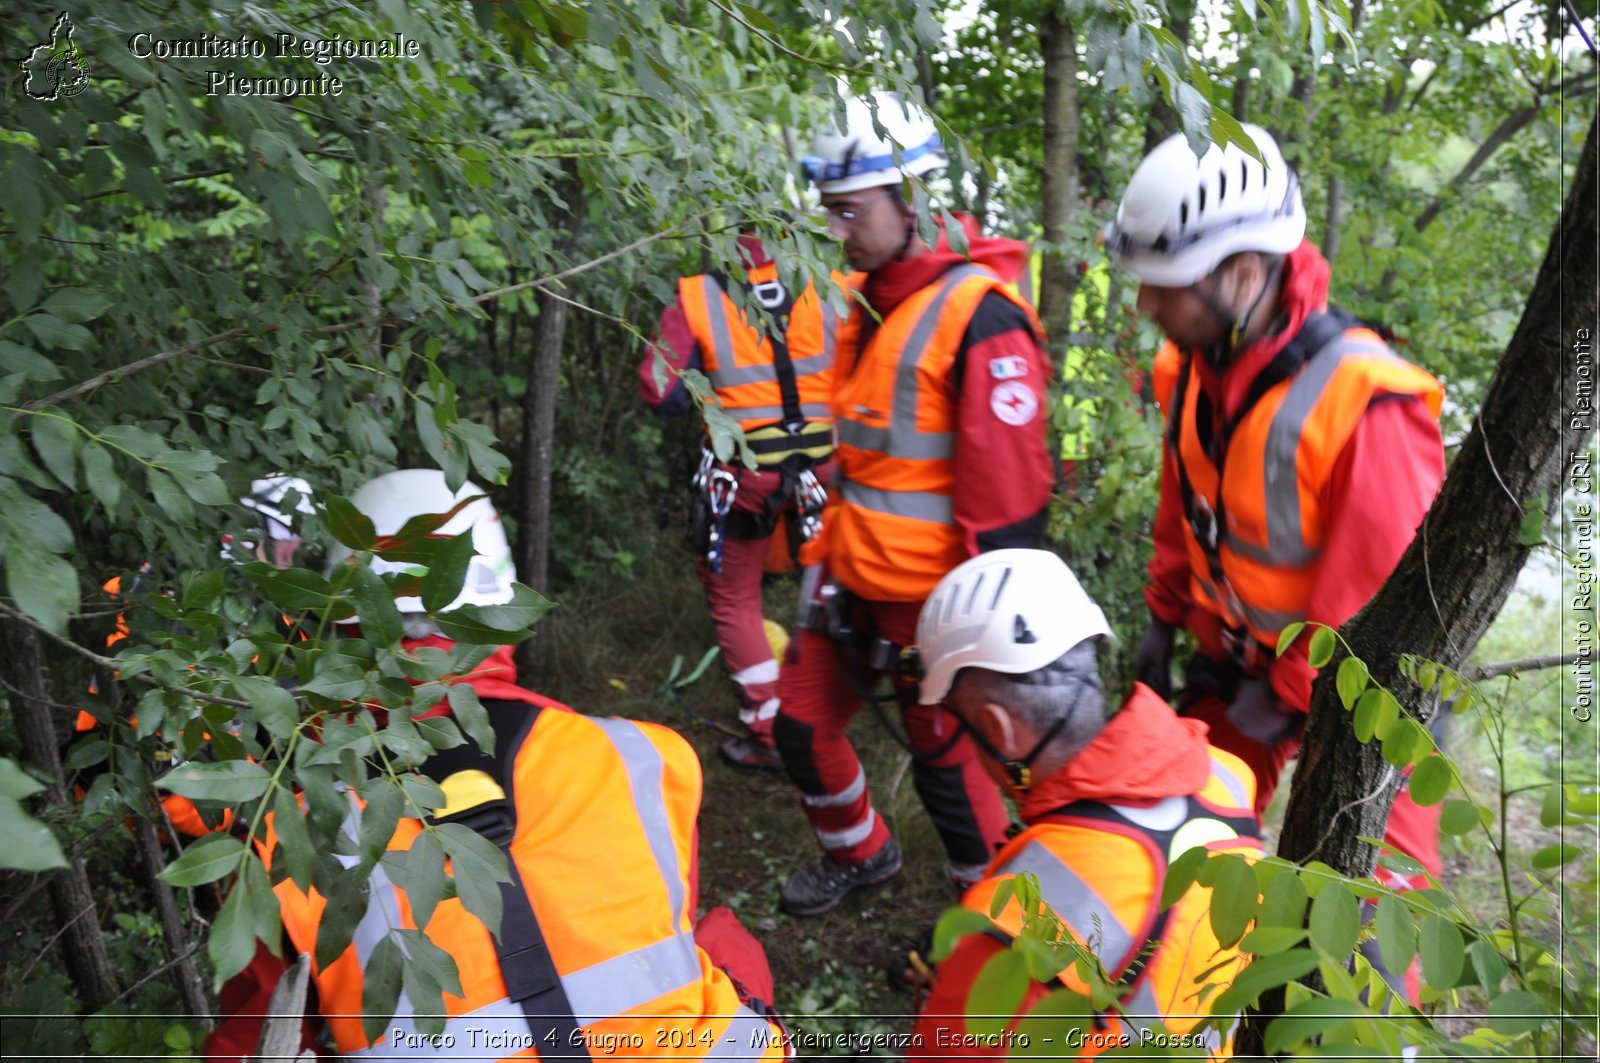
x=1256 y=712
x=1152 y=658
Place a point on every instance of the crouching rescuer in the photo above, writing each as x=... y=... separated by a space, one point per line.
x=599 y=954
x=1109 y=796
x=771 y=367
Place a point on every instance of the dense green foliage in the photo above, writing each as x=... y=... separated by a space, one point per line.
x=203 y=288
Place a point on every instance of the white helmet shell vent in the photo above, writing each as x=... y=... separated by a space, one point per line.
x=1010 y=611
x=1183 y=214
x=857 y=156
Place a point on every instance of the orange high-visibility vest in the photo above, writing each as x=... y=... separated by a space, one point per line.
x=1276 y=468
x=1101 y=868
x=738 y=358
x=605 y=818
x=890 y=523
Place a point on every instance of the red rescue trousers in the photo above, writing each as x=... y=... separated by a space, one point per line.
x=822 y=686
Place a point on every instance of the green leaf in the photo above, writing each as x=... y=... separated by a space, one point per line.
x=1287 y=636
x=477 y=867
x=997 y=993
x=1530 y=530
x=56 y=439
x=75 y=304
x=54 y=332
x=230 y=780
x=25 y=843
x=232 y=942
x=1181 y=875
x=1368 y=709
x=1265 y=973
x=447 y=573
x=470 y=714
x=1401 y=741
x=349 y=525
x=1283 y=902
x=380 y=817
x=381 y=975
x=1488 y=964
x=15 y=358
x=275 y=707
x=101 y=475
x=1233 y=901
x=1430 y=780
x=1271 y=940
x=212 y=857
x=1351 y=680
x=1397 y=933
x=1442 y=951
x=1459 y=816
x=425 y=877
x=16 y=783
x=1555 y=855
x=1311 y=1018
x=294 y=850
x=1515 y=1012
x=1322 y=646
x=1550 y=811
x=1335 y=920
x=43 y=585
x=380 y=619
x=954 y=924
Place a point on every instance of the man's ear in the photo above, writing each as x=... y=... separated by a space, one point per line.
x=996 y=724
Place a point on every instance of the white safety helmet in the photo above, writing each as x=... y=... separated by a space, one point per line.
x=1183 y=214
x=396 y=497
x=267 y=497
x=856 y=157
x=1010 y=611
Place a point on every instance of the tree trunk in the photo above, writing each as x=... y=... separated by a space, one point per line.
x=89 y=964
x=179 y=950
x=1059 y=184
x=539 y=421
x=1465 y=558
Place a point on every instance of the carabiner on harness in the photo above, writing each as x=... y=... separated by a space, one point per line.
x=721 y=486
x=809 y=499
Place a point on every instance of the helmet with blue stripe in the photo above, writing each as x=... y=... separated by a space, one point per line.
x=901 y=143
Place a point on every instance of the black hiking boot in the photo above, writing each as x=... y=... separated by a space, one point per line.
x=823 y=883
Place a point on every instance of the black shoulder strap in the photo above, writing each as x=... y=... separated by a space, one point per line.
x=531 y=978
x=777 y=320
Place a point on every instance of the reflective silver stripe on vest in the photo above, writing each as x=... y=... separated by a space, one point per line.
x=902 y=439
x=747 y=1035
x=645 y=770
x=1286 y=546
x=1234 y=785
x=1074 y=901
x=622 y=983
x=1260 y=619
x=729 y=374
x=919 y=505
x=811 y=411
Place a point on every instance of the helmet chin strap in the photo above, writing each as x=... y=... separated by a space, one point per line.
x=911 y=225
x=1222 y=353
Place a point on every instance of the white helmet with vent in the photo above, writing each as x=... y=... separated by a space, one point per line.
x=1010 y=611
x=396 y=497
x=1183 y=214
x=857 y=156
